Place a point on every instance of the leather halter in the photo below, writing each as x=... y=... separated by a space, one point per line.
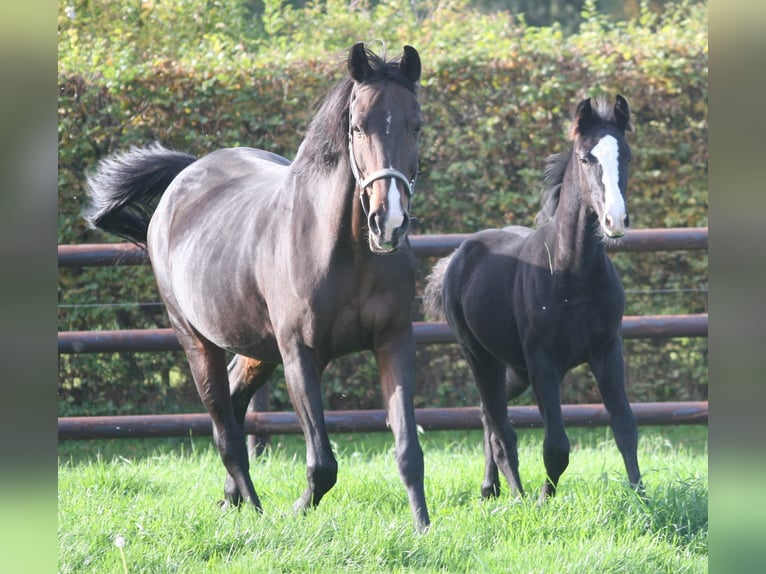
x=362 y=184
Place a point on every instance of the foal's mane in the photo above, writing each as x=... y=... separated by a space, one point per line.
x=553 y=176
x=556 y=165
x=327 y=135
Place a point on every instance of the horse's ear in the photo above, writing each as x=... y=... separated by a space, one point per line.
x=622 y=114
x=582 y=118
x=410 y=64
x=358 y=64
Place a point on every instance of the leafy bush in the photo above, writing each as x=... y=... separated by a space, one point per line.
x=497 y=96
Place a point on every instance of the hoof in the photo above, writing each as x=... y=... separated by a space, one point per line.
x=490 y=490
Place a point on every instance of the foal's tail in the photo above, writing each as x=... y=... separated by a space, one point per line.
x=125 y=189
x=433 y=305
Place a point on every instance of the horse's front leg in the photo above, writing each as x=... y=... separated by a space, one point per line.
x=546 y=381
x=303 y=372
x=396 y=364
x=609 y=370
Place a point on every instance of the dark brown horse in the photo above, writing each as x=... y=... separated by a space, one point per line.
x=294 y=263
x=528 y=305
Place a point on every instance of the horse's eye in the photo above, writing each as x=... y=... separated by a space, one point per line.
x=585 y=160
x=356 y=128
x=417 y=128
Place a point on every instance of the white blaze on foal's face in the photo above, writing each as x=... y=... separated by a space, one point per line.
x=613 y=219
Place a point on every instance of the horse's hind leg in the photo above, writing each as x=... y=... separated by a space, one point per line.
x=490 y=486
x=516 y=382
x=246 y=376
x=609 y=371
x=208 y=367
x=500 y=441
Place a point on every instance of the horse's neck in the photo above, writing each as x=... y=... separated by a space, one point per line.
x=326 y=208
x=575 y=248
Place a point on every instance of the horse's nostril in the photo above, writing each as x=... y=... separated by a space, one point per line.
x=374 y=223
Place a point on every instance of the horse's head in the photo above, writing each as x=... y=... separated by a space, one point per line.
x=384 y=124
x=603 y=154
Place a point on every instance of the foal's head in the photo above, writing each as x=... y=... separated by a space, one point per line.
x=384 y=124
x=603 y=154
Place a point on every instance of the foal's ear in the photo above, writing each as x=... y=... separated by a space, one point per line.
x=622 y=114
x=358 y=64
x=410 y=64
x=582 y=118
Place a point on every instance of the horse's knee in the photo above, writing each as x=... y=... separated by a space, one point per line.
x=410 y=463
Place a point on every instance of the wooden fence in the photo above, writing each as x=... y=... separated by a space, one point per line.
x=265 y=423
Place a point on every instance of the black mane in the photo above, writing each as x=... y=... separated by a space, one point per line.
x=555 y=166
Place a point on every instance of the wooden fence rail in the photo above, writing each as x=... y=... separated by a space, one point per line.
x=670 y=239
x=461 y=418
x=265 y=423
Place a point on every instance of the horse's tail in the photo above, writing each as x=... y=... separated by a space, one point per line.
x=125 y=189
x=433 y=305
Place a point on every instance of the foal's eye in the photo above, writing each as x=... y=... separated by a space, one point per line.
x=356 y=128
x=417 y=128
x=585 y=160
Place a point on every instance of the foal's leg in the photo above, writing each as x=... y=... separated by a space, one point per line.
x=490 y=486
x=246 y=376
x=208 y=367
x=302 y=374
x=500 y=441
x=396 y=364
x=609 y=371
x=516 y=382
x=546 y=381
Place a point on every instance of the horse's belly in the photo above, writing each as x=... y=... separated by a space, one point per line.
x=234 y=324
x=217 y=297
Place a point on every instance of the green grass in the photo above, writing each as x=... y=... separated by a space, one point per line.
x=160 y=497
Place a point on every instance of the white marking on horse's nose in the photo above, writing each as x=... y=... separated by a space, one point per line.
x=395 y=217
x=607 y=153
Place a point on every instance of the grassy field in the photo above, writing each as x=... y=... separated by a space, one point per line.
x=150 y=506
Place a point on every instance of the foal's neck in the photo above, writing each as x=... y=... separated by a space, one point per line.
x=578 y=248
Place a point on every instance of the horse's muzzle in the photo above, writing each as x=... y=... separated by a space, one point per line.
x=383 y=238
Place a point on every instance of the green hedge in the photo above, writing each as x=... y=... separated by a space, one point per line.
x=497 y=96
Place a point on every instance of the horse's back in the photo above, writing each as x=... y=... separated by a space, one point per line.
x=478 y=287
x=260 y=169
x=221 y=188
x=206 y=237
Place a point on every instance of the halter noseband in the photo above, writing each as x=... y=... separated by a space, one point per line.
x=409 y=183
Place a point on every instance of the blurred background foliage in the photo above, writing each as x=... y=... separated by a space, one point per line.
x=500 y=80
